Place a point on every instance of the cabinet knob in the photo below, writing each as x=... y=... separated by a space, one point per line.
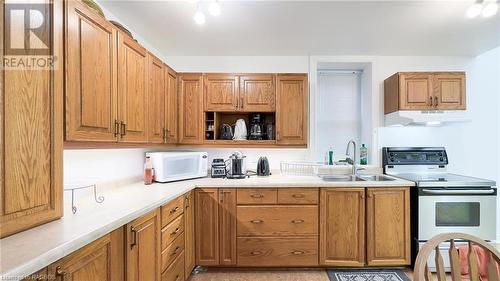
x=174 y=210
x=435 y=101
x=134 y=240
x=430 y=101
x=362 y=196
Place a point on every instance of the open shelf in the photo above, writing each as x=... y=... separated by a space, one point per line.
x=215 y=120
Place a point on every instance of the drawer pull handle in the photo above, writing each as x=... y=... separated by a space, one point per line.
x=255 y=253
x=177 y=277
x=298 y=196
x=258 y=195
x=175 y=251
x=174 y=210
x=175 y=232
x=297 y=221
x=60 y=272
x=298 y=252
x=256 y=221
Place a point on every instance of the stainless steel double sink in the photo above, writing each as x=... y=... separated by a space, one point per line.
x=342 y=178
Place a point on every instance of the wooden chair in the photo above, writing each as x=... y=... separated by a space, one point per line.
x=421 y=271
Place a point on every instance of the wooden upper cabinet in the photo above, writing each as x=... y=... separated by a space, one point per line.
x=143 y=248
x=388 y=226
x=189 y=238
x=156 y=100
x=227 y=218
x=91 y=60
x=103 y=260
x=221 y=92
x=291 y=109
x=416 y=91
x=171 y=106
x=132 y=90
x=31 y=136
x=425 y=91
x=190 y=108
x=449 y=91
x=207 y=226
x=257 y=93
x=342 y=227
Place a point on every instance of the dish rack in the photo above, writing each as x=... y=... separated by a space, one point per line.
x=299 y=168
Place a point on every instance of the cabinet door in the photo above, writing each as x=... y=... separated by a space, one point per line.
x=191 y=108
x=291 y=109
x=227 y=216
x=388 y=226
x=156 y=100
x=172 y=106
x=449 y=91
x=189 y=250
x=221 y=92
x=207 y=226
x=91 y=90
x=132 y=90
x=143 y=248
x=31 y=135
x=101 y=260
x=342 y=227
x=257 y=93
x=415 y=91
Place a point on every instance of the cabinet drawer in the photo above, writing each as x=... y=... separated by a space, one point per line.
x=171 y=252
x=175 y=272
x=263 y=252
x=172 y=210
x=298 y=196
x=172 y=231
x=257 y=196
x=277 y=220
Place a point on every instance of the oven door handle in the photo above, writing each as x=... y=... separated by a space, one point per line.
x=467 y=191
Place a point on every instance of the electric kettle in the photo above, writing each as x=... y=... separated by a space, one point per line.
x=263 y=169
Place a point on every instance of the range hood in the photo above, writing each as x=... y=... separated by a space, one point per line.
x=425 y=118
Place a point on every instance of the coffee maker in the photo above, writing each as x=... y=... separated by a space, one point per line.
x=256 y=127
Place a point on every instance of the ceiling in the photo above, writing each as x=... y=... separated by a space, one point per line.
x=310 y=27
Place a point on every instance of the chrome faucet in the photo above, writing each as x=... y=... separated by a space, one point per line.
x=349 y=160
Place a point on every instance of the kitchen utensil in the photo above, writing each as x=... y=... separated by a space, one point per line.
x=226 y=132
x=263 y=169
x=218 y=168
x=236 y=167
x=240 y=130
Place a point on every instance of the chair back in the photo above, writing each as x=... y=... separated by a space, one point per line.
x=421 y=271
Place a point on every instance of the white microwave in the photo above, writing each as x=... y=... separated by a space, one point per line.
x=175 y=166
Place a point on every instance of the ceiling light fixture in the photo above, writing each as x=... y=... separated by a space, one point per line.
x=199 y=16
x=475 y=9
x=490 y=9
x=214 y=8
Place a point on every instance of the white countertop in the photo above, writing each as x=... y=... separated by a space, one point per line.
x=29 y=251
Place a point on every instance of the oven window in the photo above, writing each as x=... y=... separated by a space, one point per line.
x=457 y=214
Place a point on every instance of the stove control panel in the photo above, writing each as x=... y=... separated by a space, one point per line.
x=414 y=156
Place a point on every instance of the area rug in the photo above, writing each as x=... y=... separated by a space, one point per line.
x=367 y=275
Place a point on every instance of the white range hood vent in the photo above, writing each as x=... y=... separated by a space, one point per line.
x=425 y=118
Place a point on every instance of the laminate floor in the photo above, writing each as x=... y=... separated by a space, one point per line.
x=266 y=275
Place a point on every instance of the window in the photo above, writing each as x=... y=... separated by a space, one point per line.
x=338 y=112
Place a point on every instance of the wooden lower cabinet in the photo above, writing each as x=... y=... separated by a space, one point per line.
x=227 y=217
x=215 y=223
x=388 y=226
x=342 y=227
x=102 y=259
x=207 y=226
x=277 y=251
x=143 y=248
x=189 y=238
